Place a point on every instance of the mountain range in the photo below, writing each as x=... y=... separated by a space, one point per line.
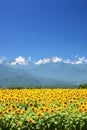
x=50 y=74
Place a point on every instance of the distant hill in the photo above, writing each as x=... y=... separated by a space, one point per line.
x=62 y=71
x=49 y=74
x=11 y=76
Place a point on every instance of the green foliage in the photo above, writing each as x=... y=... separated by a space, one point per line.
x=81 y=86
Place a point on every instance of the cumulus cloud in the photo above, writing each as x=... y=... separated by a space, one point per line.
x=47 y=60
x=13 y=63
x=82 y=58
x=56 y=59
x=20 y=60
x=79 y=61
x=23 y=61
x=67 y=61
x=43 y=61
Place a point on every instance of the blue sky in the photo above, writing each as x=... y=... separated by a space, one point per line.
x=43 y=28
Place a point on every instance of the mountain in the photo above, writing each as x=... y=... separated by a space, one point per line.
x=50 y=74
x=62 y=71
x=15 y=76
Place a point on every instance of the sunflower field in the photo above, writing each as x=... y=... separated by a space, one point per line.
x=43 y=109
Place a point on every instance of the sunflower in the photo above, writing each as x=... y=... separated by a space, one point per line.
x=30 y=104
x=42 y=108
x=30 y=120
x=59 y=109
x=17 y=111
x=85 y=109
x=39 y=114
x=9 y=110
x=1 y=112
x=35 y=110
x=52 y=111
x=13 y=106
x=80 y=109
x=46 y=109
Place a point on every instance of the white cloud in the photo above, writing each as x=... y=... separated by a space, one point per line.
x=79 y=61
x=23 y=61
x=47 y=60
x=20 y=60
x=13 y=63
x=81 y=58
x=43 y=61
x=56 y=59
x=67 y=61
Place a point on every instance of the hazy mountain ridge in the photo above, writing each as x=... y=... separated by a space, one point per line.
x=11 y=76
x=50 y=74
x=62 y=71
